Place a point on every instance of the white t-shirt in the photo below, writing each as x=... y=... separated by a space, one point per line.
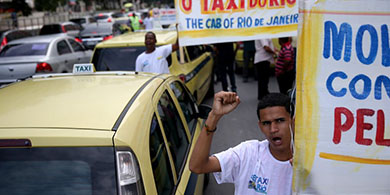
x=253 y=170
x=261 y=54
x=148 y=22
x=154 y=62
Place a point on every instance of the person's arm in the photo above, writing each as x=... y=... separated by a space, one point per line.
x=176 y=45
x=266 y=45
x=201 y=162
x=269 y=50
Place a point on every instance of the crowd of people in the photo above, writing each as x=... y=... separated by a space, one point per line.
x=262 y=53
x=253 y=166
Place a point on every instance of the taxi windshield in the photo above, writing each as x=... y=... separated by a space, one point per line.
x=76 y=170
x=116 y=59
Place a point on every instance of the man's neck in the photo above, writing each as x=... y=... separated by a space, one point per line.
x=150 y=51
x=280 y=155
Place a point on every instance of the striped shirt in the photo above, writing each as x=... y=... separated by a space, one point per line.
x=286 y=53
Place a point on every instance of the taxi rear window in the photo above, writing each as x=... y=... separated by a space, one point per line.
x=79 y=170
x=116 y=59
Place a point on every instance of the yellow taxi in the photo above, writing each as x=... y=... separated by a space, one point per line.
x=193 y=64
x=100 y=133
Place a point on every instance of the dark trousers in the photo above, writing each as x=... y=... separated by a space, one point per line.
x=225 y=66
x=285 y=81
x=263 y=72
x=248 y=57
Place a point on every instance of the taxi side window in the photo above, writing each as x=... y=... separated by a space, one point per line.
x=63 y=47
x=194 y=52
x=174 y=130
x=178 y=55
x=186 y=103
x=162 y=170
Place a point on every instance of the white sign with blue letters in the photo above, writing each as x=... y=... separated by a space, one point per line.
x=83 y=69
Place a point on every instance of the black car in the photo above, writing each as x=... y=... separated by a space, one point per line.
x=69 y=28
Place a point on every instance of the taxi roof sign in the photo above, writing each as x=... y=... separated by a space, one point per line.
x=83 y=69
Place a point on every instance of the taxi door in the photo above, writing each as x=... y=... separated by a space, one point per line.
x=197 y=65
x=190 y=183
x=178 y=121
x=202 y=70
x=65 y=60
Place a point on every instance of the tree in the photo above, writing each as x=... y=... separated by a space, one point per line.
x=48 y=5
x=21 y=5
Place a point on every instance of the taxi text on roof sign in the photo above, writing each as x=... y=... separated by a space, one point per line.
x=83 y=68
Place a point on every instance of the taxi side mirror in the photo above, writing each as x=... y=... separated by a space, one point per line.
x=204 y=110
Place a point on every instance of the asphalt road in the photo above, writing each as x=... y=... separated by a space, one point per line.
x=237 y=126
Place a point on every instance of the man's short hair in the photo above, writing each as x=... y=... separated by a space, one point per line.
x=285 y=39
x=273 y=99
x=150 y=32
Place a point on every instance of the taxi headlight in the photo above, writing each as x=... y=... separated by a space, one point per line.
x=128 y=174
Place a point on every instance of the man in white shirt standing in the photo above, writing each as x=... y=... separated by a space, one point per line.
x=154 y=59
x=264 y=56
x=148 y=22
x=255 y=167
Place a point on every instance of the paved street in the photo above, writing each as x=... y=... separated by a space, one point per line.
x=237 y=126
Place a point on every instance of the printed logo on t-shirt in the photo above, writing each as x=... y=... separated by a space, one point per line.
x=259 y=184
x=159 y=58
x=146 y=62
